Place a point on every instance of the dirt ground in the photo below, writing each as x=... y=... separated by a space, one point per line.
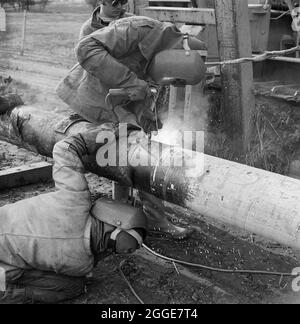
x=160 y=282
x=50 y=39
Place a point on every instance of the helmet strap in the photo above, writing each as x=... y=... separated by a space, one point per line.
x=117 y=231
x=186 y=45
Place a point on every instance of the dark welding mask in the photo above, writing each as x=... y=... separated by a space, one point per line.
x=126 y=241
x=177 y=66
x=127 y=225
x=182 y=65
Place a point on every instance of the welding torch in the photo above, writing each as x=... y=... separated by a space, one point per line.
x=122 y=94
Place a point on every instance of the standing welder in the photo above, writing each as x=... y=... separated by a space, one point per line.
x=103 y=15
x=118 y=57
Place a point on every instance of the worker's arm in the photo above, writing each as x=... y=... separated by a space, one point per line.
x=97 y=54
x=86 y=29
x=68 y=170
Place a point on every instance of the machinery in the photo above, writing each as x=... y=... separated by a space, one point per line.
x=274 y=26
x=281 y=76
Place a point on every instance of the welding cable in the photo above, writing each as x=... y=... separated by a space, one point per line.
x=282 y=15
x=109 y=104
x=228 y=271
x=257 y=58
x=129 y=284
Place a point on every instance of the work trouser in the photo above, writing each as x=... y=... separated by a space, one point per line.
x=48 y=287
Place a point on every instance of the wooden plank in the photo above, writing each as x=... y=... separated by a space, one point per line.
x=172 y=102
x=169 y=1
x=195 y=108
x=131 y=6
x=139 y=6
x=234 y=40
x=204 y=16
x=187 y=107
x=25 y=175
x=172 y=3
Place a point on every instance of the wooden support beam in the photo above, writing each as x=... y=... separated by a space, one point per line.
x=131 y=6
x=234 y=40
x=139 y=6
x=172 y=102
x=203 y=16
x=172 y=2
x=187 y=117
x=25 y=175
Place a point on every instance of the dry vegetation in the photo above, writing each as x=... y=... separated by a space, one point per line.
x=52 y=34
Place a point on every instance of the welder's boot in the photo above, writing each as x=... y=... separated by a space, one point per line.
x=158 y=222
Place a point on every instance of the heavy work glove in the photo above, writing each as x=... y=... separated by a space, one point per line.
x=145 y=117
x=148 y=122
x=138 y=92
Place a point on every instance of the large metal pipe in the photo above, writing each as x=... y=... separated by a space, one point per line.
x=254 y=200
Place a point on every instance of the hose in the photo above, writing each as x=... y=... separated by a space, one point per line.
x=228 y=271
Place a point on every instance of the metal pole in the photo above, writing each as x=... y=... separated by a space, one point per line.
x=24 y=32
x=2 y=19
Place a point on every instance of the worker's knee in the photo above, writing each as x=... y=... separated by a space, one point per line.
x=65 y=293
x=48 y=287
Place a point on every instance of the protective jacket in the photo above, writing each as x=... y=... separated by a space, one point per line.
x=95 y=22
x=52 y=232
x=115 y=57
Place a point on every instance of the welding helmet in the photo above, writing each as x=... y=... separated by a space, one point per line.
x=184 y=64
x=127 y=226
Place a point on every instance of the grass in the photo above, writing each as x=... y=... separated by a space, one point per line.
x=277 y=136
x=52 y=33
x=275 y=140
